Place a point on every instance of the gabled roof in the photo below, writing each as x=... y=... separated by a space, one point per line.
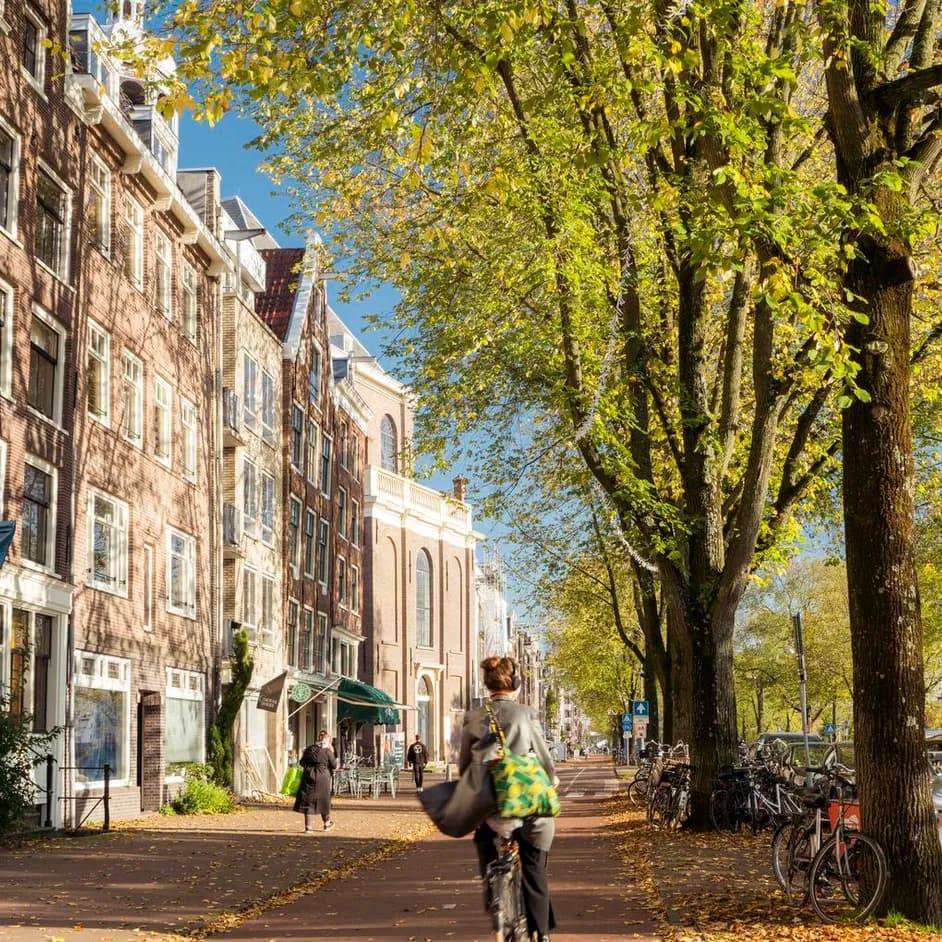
x=282 y=282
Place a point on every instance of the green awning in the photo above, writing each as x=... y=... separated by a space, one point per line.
x=365 y=704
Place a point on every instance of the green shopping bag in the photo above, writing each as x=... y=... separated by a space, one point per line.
x=292 y=780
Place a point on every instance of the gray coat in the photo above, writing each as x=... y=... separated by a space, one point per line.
x=523 y=734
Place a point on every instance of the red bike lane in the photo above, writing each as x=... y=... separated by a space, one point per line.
x=432 y=891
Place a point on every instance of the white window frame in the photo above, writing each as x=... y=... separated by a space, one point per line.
x=7 y=307
x=323 y=552
x=163 y=273
x=98 y=678
x=63 y=267
x=99 y=351
x=249 y=497
x=56 y=418
x=314 y=389
x=266 y=617
x=134 y=250
x=13 y=184
x=294 y=553
x=188 y=609
x=38 y=78
x=249 y=391
x=268 y=407
x=268 y=529
x=99 y=185
x=306 y=641
x=53 y=472
x=190 y=686
x=344 y=446
x=250 y=599
x=188 y=439
x=342 y=511
x=189 y=302
x=118 y=584
x=326 y=458
x=310 y=542
x=163 y=422
x=355 y=589
x=322 y=630
x=147 y=587
x=297 y=412
x=342 y=585
x=354 y=523
x=132 y=420
x=3 y=486
x=313 y=452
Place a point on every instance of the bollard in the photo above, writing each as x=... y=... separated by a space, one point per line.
x=106 y=797
x=49 y=761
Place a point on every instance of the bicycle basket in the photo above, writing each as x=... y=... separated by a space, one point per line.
x=851 y=813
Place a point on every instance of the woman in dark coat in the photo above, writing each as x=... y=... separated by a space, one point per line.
x=319 y=763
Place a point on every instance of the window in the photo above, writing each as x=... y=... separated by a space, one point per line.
x=99 y=205
x=342 y=581
x=322 y=536
x=147 y=578
x=355 y=523
x=312 y=453
x=292 y=622
x=249 y=399
x=297 y=436
x=294 y=526
x=355 y=458
x=266 y=619
x=389 y=445
x=310 y=524
x=107 y=543
x=40 y=656
x=133 y=419
x=181 y=573
x=268 y=408
x=163 y=273
x=45 y=368
x=102 y=716
x=185 y=727
x=134 y=241
x=6 y=339
x=189 y=309
x=51 y=240
x=188 y=424
x=163 y=427
x=37 y=536
x=325 y=465
x=423 y=599
x=29 y=655
x=320 y=643
x=99 y=374
x=354 y=588
x=249 y=497
x=248 y=597
x=314 y=379
x=291 y=638
x=342 y=513
x=344 y=446
x=307 y=641
x=268 y=509
x=9 y=179
x=33 y=50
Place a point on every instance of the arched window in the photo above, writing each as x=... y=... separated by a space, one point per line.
x=423 y=599
x=389 y=445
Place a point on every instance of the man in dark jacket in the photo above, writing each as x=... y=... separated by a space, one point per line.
x=417 y=757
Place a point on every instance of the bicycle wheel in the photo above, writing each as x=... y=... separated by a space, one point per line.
x=781 y=840
x=800 y=856
x=638 y=791
x=847 y=878
x=718 y=811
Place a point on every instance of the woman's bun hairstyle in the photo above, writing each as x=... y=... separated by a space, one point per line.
x=500 y=673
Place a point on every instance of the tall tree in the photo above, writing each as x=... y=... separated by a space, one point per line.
x=883 y=78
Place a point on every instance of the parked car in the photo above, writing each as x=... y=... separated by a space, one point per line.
x=787 y=739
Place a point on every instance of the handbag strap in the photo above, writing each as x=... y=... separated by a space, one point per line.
x=495 y=726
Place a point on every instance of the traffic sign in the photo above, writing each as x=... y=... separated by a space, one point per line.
x=830 y=729
x=640 y=708
x=641 y=726
x=626 y=722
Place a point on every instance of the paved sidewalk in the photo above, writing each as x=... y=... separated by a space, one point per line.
x=161 y=876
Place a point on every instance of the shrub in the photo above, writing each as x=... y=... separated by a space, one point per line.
x=201 y=795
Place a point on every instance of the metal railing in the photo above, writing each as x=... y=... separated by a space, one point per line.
x=103 y=800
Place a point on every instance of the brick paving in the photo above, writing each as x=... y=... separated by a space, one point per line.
x=161 y=877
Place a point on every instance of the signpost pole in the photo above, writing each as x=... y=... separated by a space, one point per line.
x=802 y=691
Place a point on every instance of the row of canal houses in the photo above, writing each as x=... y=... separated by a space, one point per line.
x=193 y=443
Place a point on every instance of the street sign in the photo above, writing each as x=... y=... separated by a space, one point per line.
x=626 y=722
x=641 y=726
x=829 y=729
x=640 y=708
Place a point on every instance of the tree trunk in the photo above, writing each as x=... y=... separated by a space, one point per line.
x=886 y=627
x=650 y=694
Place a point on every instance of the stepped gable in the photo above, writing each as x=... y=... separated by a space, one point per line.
x=282 y=279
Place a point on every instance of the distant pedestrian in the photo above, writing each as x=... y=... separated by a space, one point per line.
x=319 y=763
x=417 y=757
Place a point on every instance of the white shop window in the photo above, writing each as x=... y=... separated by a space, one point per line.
x=102 y=717
x=185 y=723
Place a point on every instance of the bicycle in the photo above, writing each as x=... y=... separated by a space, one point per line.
x=503 y=881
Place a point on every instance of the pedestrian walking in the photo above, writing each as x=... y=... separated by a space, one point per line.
x=417 y=757
x=534 y=835
x=318 y=762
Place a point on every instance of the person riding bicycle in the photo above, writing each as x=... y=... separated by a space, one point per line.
x=534 y=836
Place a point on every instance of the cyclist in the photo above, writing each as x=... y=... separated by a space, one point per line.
x=534 y=836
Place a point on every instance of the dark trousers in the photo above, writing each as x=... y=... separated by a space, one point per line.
x=417 y=772
x=536 y=898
